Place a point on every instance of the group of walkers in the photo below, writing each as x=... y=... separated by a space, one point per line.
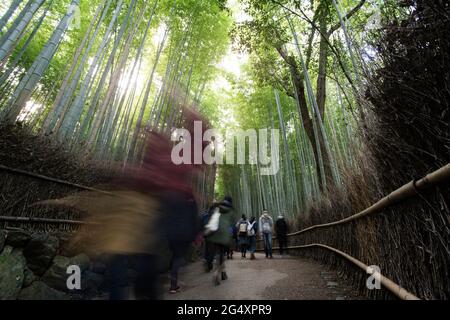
x=223 y=236
x=246 y=231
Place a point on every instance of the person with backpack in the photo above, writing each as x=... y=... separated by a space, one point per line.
x=218 y=231
x=235 y=243
x=265 y=230
x=252 y=229
x=230 y=250
x=242 y=235
x=208 y=247
x=281 y=229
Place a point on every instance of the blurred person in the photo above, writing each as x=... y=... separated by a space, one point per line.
x=208 y=254
x=179 y=207
x=180 y=217
x=265 y=230
x=230 y=248
x=125 y=225
x=171 y=186
x=235 y=242
x=221 y=238
x=175 y=223
x=241 y=226
x=281 y=229
x=118 y=215
x=149 y=209
x=252 y=230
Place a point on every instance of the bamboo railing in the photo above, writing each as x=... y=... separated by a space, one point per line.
x=409 y=190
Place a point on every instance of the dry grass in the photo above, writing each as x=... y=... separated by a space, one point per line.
x=37 y=154
x=406 y=136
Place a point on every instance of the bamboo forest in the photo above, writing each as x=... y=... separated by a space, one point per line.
x=111 y=111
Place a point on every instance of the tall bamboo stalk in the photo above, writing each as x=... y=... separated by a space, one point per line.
x=12 y=37
x=34 y=74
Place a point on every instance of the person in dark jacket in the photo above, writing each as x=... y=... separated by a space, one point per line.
x=208 y=247
x=235 y=243
x=241 y=226
x=281 y=229
x=181 y=228
x=222 y=238
x=230 y=249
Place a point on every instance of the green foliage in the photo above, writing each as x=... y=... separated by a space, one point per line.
x=100 y=93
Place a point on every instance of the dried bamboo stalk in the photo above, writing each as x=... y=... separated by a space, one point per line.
x=43 y=220
x=386 y=282
x=42 y=177
x=406 y=191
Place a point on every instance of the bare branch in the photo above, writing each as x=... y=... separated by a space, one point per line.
x=284 y=55
x=324 y=36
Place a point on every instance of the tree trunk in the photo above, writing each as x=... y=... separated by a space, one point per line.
x=321 y=91
x=298 y=82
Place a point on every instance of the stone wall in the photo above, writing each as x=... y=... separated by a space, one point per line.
x=33 y=266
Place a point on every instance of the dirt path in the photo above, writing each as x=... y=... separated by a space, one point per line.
x=282 y=278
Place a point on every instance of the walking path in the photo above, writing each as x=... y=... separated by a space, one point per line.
x=281 y=278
